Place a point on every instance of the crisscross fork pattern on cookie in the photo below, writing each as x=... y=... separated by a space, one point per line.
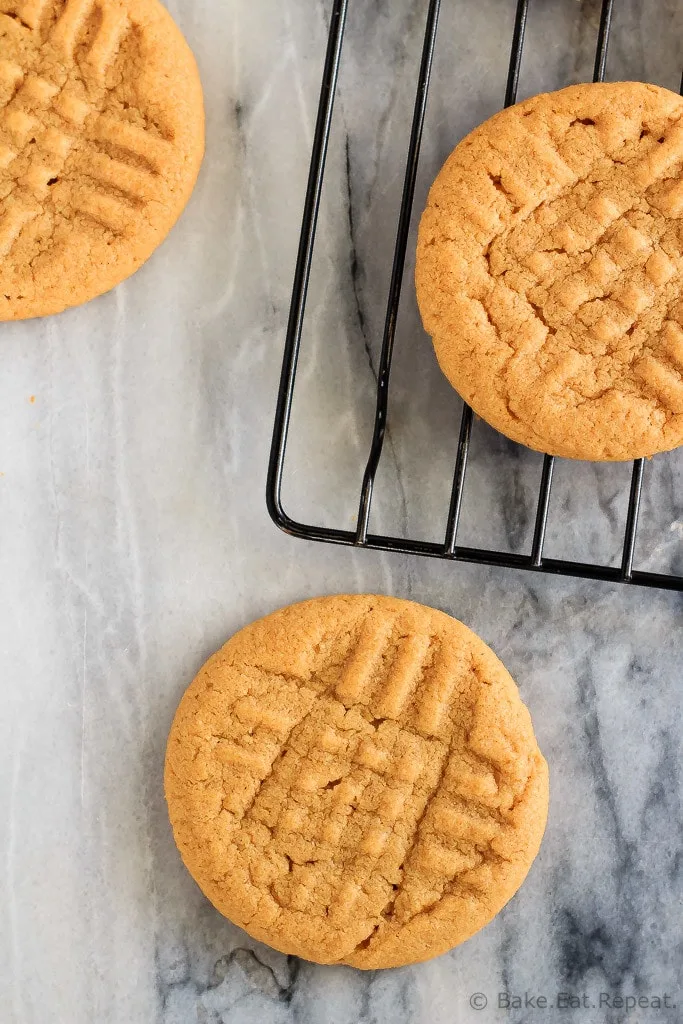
x=55 y=109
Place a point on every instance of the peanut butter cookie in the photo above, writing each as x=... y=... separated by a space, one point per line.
x=101 y=139
x=356 y=780
x=550 y=271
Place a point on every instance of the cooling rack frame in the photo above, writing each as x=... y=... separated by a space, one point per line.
x=361 y=537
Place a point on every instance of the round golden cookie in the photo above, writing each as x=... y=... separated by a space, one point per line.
x=550 y=271
x=356 y=780
x=101 y=139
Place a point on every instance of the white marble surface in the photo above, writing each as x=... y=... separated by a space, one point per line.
x=134 y=539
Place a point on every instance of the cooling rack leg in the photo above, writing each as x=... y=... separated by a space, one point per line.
x=458 y=481
x=603 y=40
x=467 y=417
x=302 y=272
x=516 y=52
x=542 y=510
x=397 y=272
x=632 y=520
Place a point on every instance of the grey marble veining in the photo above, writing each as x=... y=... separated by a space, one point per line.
x=134 y=539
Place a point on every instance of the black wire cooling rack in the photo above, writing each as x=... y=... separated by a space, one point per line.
x=449 y=549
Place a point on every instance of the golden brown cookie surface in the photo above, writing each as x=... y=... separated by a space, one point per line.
x=550 y=271
x=356 y=780
x=101 y=139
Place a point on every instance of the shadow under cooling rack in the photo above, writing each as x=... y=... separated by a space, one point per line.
x=535 y=560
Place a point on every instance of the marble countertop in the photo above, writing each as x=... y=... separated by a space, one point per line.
x=134 y=539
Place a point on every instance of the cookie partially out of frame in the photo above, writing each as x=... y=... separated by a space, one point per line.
x=356 y=780
x=550 y=271
x=101 y=139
